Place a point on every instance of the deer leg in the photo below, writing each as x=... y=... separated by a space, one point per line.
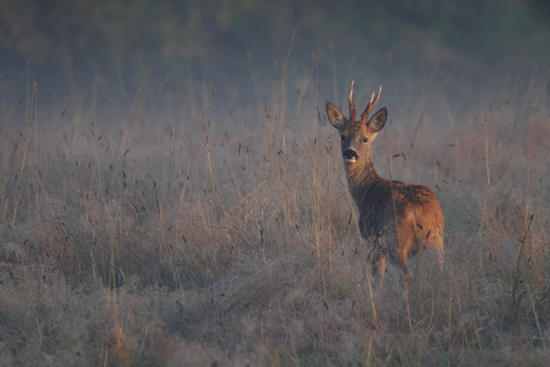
x=378 y=264
x=439 y=257
x=401 y=257
x=406 y=239
x=406 y=277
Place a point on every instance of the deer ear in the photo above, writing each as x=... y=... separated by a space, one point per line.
x=335 y=117
x=378 y=120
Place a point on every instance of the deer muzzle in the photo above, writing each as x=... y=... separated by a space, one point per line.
x=350 y=155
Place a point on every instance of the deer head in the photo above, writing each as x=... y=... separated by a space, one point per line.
x=357 y=136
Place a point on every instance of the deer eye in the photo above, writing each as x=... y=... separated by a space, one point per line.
x=342 y=137
x=365 y=140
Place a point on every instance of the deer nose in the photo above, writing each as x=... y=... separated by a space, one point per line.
x=350 y=154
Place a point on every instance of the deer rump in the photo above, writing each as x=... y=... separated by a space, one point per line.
x=403 y=219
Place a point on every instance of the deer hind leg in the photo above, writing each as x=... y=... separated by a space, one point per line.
x=405 y=242
x=406 y=274
x=439 y=258
x=378 y=264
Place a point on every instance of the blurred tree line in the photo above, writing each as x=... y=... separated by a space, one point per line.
x=121 y=41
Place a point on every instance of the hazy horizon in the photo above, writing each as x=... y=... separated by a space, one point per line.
x=116 y=55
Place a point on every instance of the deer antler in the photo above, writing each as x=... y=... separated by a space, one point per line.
x=370 y=106
x=351 y=104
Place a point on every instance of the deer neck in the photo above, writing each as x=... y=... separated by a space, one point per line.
x=361 y=175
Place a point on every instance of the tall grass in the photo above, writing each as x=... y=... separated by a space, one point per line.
x=204 y=238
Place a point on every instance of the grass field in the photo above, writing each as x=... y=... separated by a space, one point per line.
x=207 y=238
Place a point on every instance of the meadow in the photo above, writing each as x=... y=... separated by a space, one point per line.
x=200 y=235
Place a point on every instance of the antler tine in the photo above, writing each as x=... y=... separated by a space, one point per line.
x=351 y=104
x=370 y=106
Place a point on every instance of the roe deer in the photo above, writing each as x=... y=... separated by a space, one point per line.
x=399 y=219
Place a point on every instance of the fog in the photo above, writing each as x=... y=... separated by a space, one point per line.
x=119 y=57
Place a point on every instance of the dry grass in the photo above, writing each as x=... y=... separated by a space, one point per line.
x=229 y=243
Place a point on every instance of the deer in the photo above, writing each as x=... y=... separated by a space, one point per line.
x=398 y=219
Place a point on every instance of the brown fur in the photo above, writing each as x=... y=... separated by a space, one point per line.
x=399 y=219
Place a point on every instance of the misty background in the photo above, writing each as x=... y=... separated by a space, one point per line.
x=117 y=55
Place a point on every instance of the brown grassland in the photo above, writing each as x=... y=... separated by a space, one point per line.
x=194 y=238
